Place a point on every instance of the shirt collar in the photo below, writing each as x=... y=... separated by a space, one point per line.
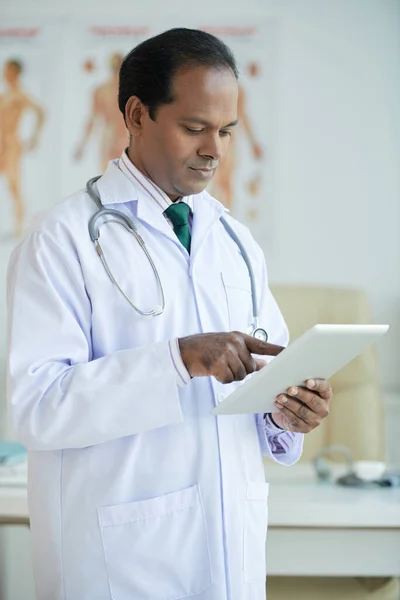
x=117 y=188
x=122 y=192
x=146 y=186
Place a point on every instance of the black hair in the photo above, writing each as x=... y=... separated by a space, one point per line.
x=148 y=70
x=16 y=64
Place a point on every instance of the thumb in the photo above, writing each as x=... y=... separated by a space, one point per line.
x=260 y=363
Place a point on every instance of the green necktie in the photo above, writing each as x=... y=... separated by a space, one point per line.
x=178 y=213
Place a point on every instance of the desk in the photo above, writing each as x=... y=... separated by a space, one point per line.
x=315 y=529
x=13 y=505
x=320 y=529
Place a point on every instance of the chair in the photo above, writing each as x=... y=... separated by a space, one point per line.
x=357 y=393
x=356 y=387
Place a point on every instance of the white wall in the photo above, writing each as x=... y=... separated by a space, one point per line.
x=336 y=157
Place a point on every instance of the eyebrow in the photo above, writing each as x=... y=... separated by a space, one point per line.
x=206 y=123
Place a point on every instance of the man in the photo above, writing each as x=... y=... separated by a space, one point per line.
x=135 y=490
x=14 y=103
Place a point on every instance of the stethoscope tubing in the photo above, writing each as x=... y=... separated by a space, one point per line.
x=122 y=219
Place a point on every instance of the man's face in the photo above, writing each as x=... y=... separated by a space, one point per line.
x=181 y=149
x=10 y=73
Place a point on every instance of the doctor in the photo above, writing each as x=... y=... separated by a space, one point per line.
x=136 y=492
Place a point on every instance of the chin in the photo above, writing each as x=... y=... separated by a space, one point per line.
x=190 y=189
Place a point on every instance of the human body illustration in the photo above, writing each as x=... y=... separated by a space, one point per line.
x=223 y=183
x=14 y=103
x=106 y=118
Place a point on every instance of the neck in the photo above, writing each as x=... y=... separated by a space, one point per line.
x=137 y=162
x=139 y=165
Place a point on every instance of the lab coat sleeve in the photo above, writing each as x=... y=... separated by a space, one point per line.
x=59 y=397
x=182 y=374
x=284 y=447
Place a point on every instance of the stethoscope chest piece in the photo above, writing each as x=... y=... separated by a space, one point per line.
x=260 y=334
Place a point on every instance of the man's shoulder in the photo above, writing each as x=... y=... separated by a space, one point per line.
x=242 y=231
x=226 y=214
x=239 y=228
x=69 y=212
x=65 y=222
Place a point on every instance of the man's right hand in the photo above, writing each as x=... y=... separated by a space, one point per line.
x=226 y=356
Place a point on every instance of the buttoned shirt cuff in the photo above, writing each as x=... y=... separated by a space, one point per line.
x=182 y=374
x=281 y=445
x=270 y=426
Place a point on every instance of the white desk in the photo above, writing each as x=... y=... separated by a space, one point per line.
x=13 y=496
x=13 y=505
x=320 y=529
x=314 y=529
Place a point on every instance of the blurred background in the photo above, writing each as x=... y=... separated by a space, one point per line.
x=314 y=171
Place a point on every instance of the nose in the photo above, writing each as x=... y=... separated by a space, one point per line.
x=212 y=147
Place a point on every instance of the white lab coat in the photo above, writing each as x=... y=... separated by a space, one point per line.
x=135 y=491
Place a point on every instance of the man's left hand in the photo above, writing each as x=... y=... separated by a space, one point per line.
x=302 y=409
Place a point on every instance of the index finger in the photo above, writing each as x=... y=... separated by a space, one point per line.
x=256 y=346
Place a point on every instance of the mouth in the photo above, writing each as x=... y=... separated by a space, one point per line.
x=203 y=173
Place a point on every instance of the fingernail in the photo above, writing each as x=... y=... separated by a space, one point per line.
x=293 y=391
x=311 y=383
x=282 y=399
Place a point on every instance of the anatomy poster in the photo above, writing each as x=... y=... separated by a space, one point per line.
x=93 y=127
x=28 y=110
x=243 y=181
x=60 y=123
x=28 y=129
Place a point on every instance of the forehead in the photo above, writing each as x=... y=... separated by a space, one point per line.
x=9 y=66
x=204 y=91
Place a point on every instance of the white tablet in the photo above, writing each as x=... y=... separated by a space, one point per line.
x=319 y=353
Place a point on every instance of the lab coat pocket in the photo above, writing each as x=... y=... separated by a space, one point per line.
x=255 y=531
x=238 y=298
x=157 y=549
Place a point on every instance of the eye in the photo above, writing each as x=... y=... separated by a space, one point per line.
x=225 y=133
x=194 y=131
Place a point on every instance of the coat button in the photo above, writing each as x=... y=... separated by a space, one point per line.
x=221 y=397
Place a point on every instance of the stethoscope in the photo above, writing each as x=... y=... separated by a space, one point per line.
x=121 y=219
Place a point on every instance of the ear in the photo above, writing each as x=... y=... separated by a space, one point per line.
x=135 y=111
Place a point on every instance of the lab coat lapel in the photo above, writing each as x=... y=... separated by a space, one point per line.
x=149 y=212
x=206 y=213
x=116 y=190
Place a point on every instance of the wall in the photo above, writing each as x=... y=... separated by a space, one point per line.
x=335 y=157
